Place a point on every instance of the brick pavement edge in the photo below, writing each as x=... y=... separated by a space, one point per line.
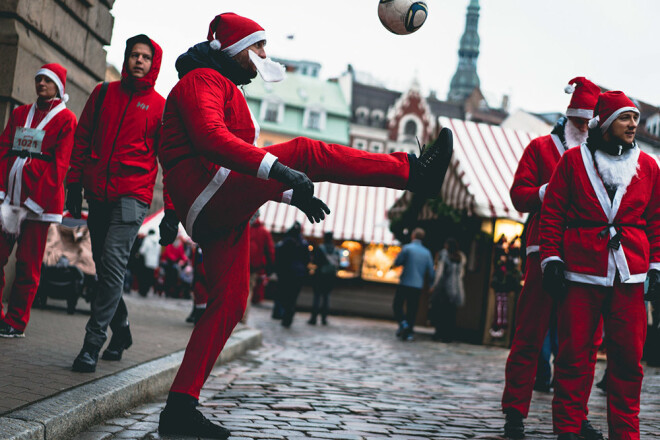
x=67 y=413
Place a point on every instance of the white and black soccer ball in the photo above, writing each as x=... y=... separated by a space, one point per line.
x=402 y=16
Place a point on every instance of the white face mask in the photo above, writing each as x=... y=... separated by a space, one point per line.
x=269 y=70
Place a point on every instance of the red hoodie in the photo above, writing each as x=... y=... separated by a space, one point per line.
x=119 y=158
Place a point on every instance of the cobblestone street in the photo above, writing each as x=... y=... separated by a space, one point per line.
x=353 y=380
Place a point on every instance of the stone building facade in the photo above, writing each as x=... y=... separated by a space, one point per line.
x=36 y=32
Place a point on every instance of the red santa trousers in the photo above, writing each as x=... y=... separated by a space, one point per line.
x=29 y=255
x=533 y=314
x=624 y=317
x=226 y=255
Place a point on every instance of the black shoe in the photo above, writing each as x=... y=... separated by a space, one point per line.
x=602 y=384
x=196 y=315
x=87 y=359
x=7 y=331
x=427 y=173
x=513 y=425
x=568 y=436
x=588 y=432
x=542 y=387
x=311 y=321
x=120 y=341
x=403 y=328
x=189 y=422
x=324 y=321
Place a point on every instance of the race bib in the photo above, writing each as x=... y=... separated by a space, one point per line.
x=28 y=139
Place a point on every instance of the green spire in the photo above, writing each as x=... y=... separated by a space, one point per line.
x=465 y=79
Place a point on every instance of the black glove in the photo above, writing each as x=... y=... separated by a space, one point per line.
x=74 y=199
x=653 y=292
x=169 y=227
x=314 y=209
x=554 y=281
x=303 y=188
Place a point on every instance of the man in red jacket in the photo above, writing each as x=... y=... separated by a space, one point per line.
x=262 y=258
x=209 y=139
x=114 y=160
x=534 y=310
x=600 y=240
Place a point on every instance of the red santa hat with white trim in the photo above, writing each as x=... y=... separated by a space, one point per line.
x=57 y=74
x=232 y=33
x=585 y=95
x=610 y=105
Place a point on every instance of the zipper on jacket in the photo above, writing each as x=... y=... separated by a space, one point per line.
x=114 y=143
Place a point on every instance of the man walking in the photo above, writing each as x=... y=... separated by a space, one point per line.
x=417 y=263
x=209 y=143
x=534 y=308
x=114 y=161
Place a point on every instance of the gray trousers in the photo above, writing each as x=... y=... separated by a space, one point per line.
x=112 y=229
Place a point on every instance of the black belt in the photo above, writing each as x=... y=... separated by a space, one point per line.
x=615 y=241
x=171 y=163
x=27 y=155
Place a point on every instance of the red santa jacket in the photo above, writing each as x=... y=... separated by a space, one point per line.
x=36 y=181
x=262 y=249
x=207 y=120
x=119 y=158
x=531 y=179
x=578 y=220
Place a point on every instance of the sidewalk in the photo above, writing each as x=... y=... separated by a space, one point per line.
x=41 y=398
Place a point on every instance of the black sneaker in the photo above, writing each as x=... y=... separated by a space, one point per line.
x=87 y=359
x=427 y=173
x=120 y=341
x=513 y=425
x=189 y=422
x=588 y=432
x=7 y=331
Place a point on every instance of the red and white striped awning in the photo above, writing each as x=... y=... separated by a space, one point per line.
x=357 y=213
x=483 y=165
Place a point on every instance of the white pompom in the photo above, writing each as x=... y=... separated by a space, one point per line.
x=569 y=89
x=65 y=98
x=593 y=123
x=215 y=45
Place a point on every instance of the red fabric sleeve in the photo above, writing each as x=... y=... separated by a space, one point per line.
x=553 y=212
x=201 y=107
x=6 y=140
x=82 y=142
x=652 y=215
x=525 y=188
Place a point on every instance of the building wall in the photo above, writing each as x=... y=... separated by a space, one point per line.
x=36 y=32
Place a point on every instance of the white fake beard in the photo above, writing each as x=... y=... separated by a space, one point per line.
x=617 y=171
x=573 y=136
x=269 y=70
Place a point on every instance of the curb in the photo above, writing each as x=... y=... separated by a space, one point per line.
x=60 y=417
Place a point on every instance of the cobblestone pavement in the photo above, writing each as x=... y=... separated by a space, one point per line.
x=354 y=380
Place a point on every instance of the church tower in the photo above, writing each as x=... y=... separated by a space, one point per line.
x=465 y=79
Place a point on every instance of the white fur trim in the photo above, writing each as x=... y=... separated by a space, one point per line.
x=532 y=249
x=655 y=266
x=286 y=196
x=580 y=113
x=558 y=144
x=265 y=166
x=241 y=44
x=570 y=88
x=12 y=217
x=48 y=218
x=542 y=191
x=215 y=44
x=33 y=206
x=602 y=281
x=618 y=171
x=605 y=125
x=549 y=259
x=2 y=195
x=56 y=79
x=204 y=197
x=65 y=98
x=593 y=123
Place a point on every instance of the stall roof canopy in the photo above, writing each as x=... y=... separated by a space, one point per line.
x=358 y=213
x=483 y=165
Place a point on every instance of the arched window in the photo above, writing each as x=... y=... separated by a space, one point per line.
x=410 y=129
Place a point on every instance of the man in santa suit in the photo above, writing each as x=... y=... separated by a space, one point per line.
x=35 y=148
x=600 y=239
x=217 y=178
x=534 y=310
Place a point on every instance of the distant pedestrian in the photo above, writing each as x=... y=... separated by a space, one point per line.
x=417 y=263
x=262 y=259
x=291 y=260
x=150 y=251
x=447 y=291
x=326 y=258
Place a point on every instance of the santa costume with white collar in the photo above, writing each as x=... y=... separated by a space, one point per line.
x=600 y=237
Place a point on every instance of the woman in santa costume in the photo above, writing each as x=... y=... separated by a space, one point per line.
x=35 y=148
x=217 y=178
x=535 y=308
x=600 y=238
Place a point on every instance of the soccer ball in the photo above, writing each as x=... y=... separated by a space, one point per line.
x=402 y=16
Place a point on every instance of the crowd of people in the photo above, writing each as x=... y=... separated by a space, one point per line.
x=592 y=240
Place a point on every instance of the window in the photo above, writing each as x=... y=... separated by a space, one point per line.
x=314 y=119
x=376 y=147
x=362 y=115
x=410 y=129
x=360 y=144
x=377 y=118
x=272 y=111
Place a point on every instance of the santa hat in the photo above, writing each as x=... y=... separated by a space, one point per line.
x=56 y=73
x=585 y=95
x=234 y=33
x=610 y=105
